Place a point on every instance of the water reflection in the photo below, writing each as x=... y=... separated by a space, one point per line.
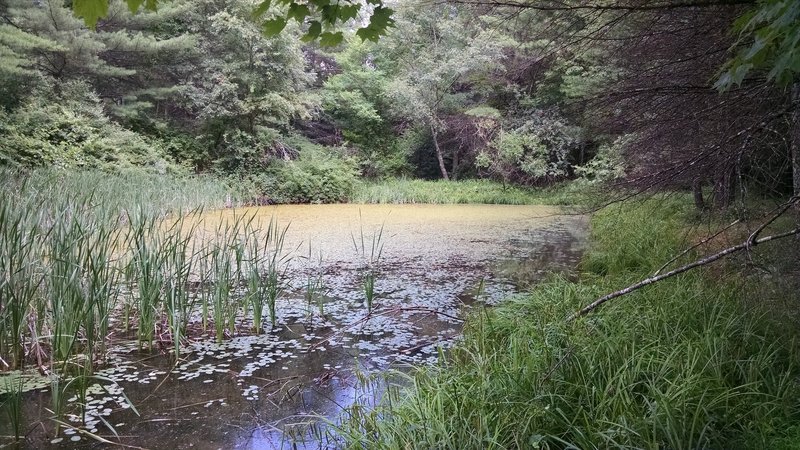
x=267 y=391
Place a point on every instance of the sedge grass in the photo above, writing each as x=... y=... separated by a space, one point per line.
x=11 y=404
x=687 y=363
x=314 y=287
x=73 y=243
x=267 y=265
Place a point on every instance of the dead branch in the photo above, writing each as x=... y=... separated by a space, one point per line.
x=751 y=242
x=703 y=241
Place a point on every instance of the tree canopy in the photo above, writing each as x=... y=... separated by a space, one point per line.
x=671 y=93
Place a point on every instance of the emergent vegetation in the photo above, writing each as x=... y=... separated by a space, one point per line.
x=123 y=123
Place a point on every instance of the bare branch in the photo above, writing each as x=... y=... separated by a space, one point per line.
x=703 y=241
x=749 y=243
x=563 y=6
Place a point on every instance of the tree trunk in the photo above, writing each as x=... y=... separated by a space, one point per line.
x=723 y=188
x=454 y=169
x=439 y=153
x=795 y=140
x=697 y=190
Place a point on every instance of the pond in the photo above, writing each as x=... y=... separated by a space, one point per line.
x=429 y=265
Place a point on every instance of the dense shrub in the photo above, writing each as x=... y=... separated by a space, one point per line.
x=314 y=179
x=535 y=151
x=69 y=129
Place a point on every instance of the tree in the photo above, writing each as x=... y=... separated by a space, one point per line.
x=769 y=41
x=439 y=53
x=320 y=18
x=246 y=88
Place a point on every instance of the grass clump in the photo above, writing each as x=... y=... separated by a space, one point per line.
x=403 y=190
x=115 y=195
x=86 y=260
x=686 y=363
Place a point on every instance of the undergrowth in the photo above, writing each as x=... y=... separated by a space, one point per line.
x=403 y=190
x=118 y=193
x=691 y=362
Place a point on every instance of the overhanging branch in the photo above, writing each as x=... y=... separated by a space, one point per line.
x=751 y=241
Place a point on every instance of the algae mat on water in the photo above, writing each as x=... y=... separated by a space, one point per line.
x=426 y=263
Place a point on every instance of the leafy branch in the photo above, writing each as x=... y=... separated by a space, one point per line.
x=322 y=19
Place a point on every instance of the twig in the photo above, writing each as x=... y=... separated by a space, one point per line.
x=195 y=404
x=694 y=247
x=782 y=209
x=752 y=241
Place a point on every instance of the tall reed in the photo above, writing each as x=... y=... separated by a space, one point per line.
x=145 y=269
x=222 y=279
x=20 y=278
x=266 y=267
x=73 y=243
x=314 y=285
x=12 y=403
x=178 y=263
x=371 y=256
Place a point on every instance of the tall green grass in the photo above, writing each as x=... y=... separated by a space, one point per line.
x=686 y=363
x=76 y=255
x=114 y=195
x=402 y=190
x=370 y=251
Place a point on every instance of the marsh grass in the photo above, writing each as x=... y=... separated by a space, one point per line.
x=401 y=190
x=222 y=279
x=688 y=363
x=79 y=249
x=267 y=269
x=115 y=195
x=11 y=404
x=370 y=251
x=314 y=288
x=180 y=256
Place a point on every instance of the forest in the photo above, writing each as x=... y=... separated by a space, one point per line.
x=172 y=173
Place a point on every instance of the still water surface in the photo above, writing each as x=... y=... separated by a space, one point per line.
x=437 y=263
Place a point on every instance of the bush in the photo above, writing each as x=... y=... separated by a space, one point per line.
x=69 y=129
x=319 y=175
x=315 y=180
x=608 y=164
x=537 y=151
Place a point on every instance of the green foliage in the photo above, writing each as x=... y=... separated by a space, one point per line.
x=245 y=152
x=91 y=11
x=769 y=40
x=607 y=164
x=356 y=102
x=318 y=14
x=69 y=129
x=538 y=150
x=246 y=90
x=318 y=176
x=682 y=364
x=17 y=69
